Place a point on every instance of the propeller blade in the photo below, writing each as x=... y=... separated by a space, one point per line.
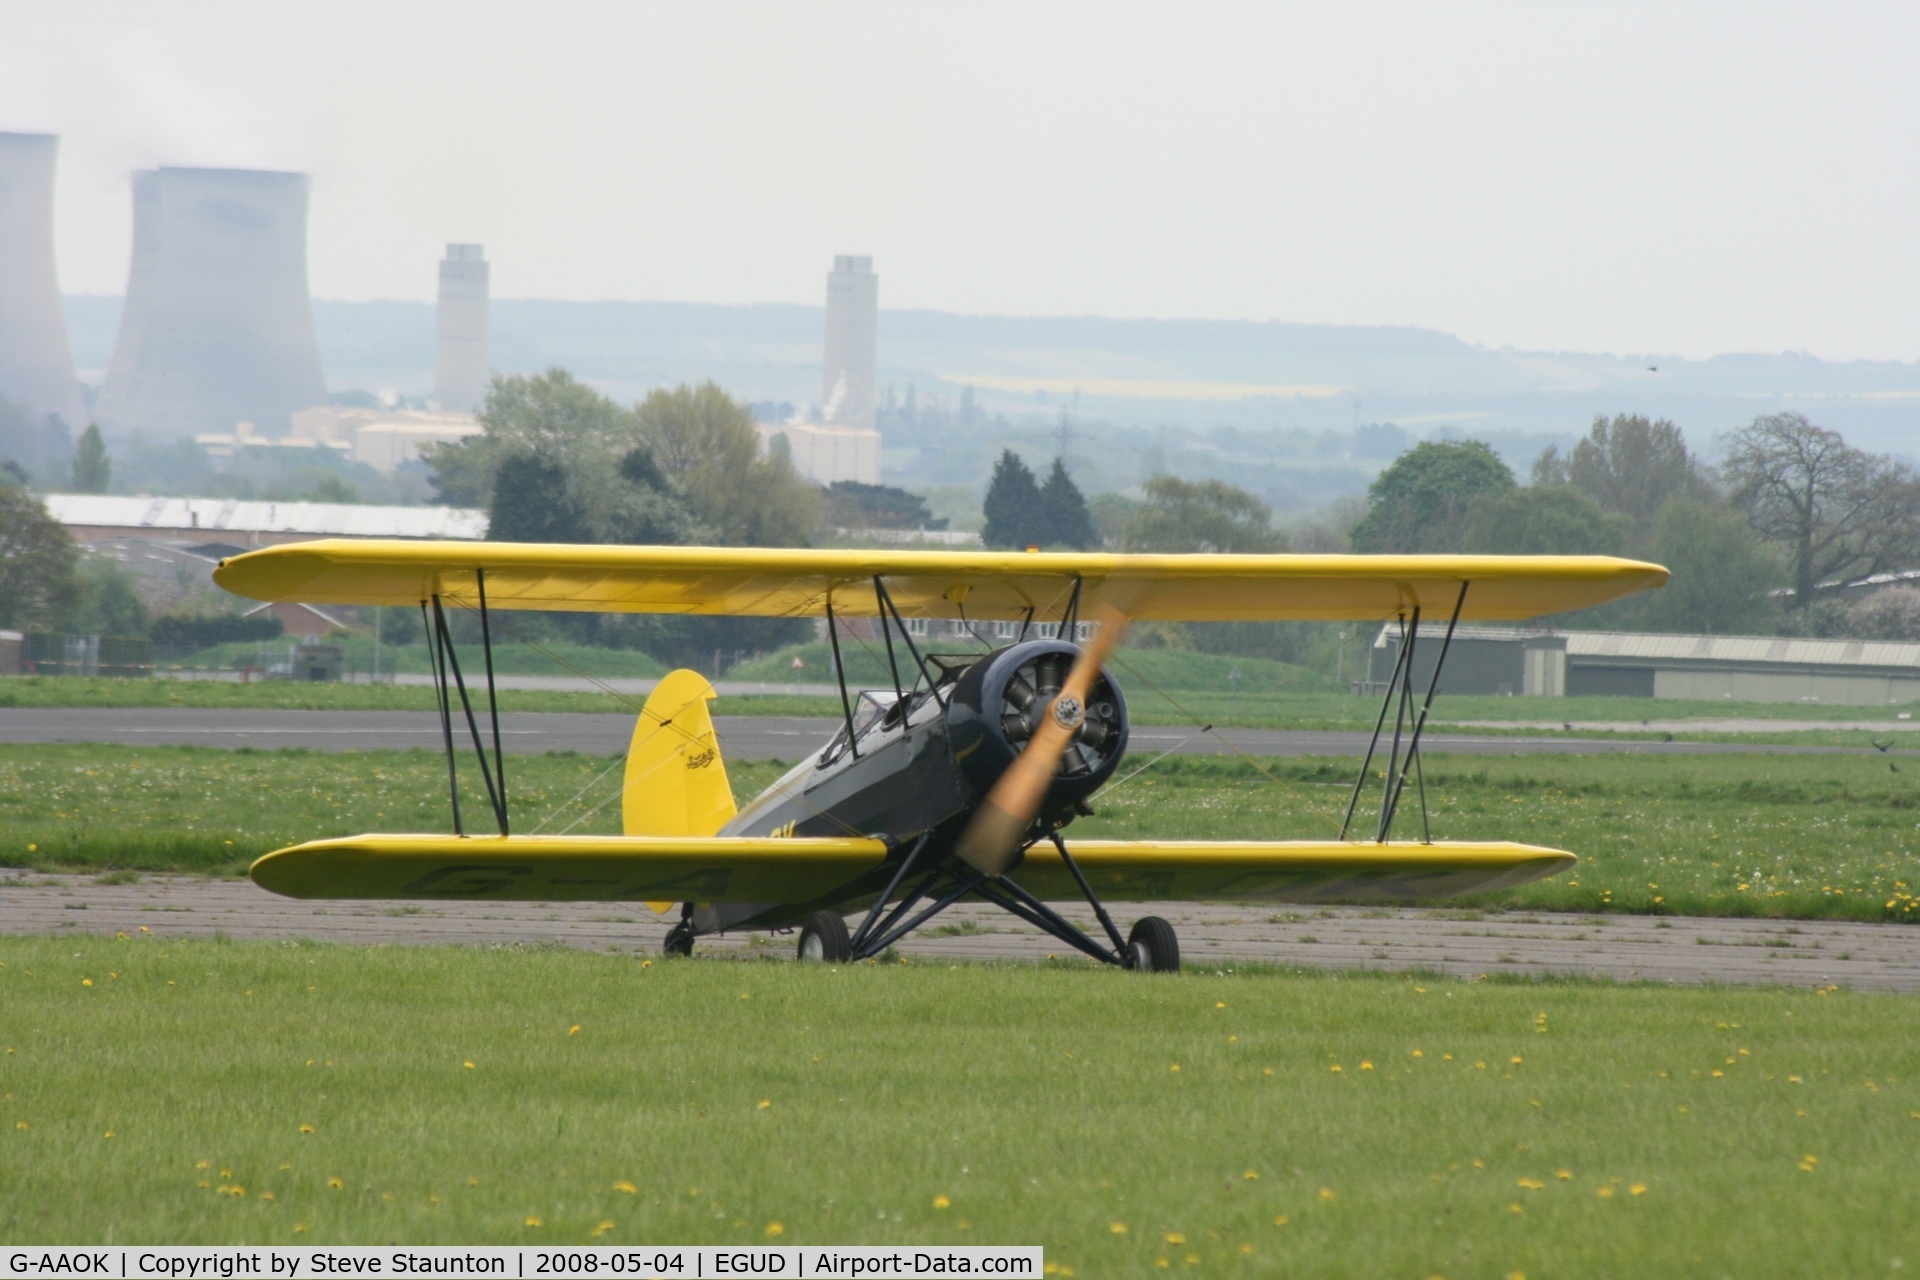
x=989 y=842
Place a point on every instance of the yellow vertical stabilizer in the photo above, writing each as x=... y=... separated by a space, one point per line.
x=676 y=783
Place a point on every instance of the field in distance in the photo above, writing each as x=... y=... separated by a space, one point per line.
x=1816 y=837
x=1252 y=1122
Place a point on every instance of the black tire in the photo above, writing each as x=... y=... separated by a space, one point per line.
x=824 y=940
x=679 y=939
x=1153 y=947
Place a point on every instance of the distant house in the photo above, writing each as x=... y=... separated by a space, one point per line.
x=1540 y=663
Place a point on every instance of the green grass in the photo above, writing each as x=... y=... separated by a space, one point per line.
x=1561 y=1128
x=1826 y=837
x=286 y=695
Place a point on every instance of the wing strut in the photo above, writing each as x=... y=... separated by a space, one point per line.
x=840 y=674
x=447 y=659
x=1400 y=699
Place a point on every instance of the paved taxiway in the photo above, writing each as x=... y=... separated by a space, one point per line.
x=741 y=737
x=1882 y=957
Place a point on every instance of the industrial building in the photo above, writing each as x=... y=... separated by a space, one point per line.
x=218 y=328
x=242 y=525
x=1625 y=664
x=825 y=453
x=460 y=320
x=36 y=361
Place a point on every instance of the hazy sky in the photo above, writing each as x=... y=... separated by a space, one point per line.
x=1668 y=178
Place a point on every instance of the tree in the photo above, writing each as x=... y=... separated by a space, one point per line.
x=1544 y=520
x=91 y=467
x=531 y=503
x=1014 y=518
x=1420 y=502
x=1199 y=516
x=1723 y=576
x=707 y=442
x=1627 y=464
x=1068 y=522
x=1838 y=513
x=853 y=505
x=38 y=588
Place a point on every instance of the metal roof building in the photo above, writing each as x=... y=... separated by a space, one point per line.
x=96 y=517
x=1503 y=660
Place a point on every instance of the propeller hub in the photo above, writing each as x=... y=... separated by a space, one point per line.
x=1068 y=712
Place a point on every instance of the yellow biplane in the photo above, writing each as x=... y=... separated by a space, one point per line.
x=954 y=784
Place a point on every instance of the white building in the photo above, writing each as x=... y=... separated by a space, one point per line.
x=460 y=349
x=826 y=453
x=92 y=517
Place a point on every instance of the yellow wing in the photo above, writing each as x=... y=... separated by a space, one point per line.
x=569 y=868
x=745 y=581
x=803 y=870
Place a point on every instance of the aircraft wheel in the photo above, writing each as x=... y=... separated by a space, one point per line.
x=679 y=940
x=1153 y=947
x=824 y=939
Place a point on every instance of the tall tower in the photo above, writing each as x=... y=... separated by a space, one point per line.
x=36 y=363
x=218 y=327
x=460 y=352
x=853 y=313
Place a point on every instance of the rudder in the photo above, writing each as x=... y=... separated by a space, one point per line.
x=676 y=783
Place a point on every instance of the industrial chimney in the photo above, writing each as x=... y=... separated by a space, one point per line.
x=460 y=352
x=36 y=363
x=218 y=328
x=853 y=313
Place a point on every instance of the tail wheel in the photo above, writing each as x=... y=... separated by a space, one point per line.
x=1152 y=947
x=824 y=940
x=679 y=939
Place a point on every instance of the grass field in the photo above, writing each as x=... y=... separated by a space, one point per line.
x=1247 y=1123
x=1822 y=837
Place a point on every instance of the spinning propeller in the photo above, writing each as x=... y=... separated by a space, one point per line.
x=990 y=840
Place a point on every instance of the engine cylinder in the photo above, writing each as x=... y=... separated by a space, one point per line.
x=998 y=702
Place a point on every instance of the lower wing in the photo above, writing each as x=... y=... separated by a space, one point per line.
x=837 y=870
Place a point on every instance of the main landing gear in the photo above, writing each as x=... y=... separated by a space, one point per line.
x=824 y=939
x=679 y=939
x=1152 y=947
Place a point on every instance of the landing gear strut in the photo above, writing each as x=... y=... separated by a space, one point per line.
x=679 y=939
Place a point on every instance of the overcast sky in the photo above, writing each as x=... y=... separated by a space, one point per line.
x=1674 y=178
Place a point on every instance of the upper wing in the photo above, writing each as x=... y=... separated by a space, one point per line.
x=1286 y=870
x=975 y=584
x=570 y=868
x=829 y=870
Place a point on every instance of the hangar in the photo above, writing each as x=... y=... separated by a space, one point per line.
x=1629 y=664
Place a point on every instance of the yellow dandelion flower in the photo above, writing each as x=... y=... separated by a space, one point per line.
x=1245 y=1247
x=1565 y=1175
x=626 y=1188
x=144 y=929
x=1366 y=1066
x=1603 y=1192
x=336 y=1183
x=765 y=1103
x=1251 y=1175
x=266 y=1195
x=1516 y=1275
x=1638 y=1189
x=1219 y=1004
x=776 y=1229
x=1418 y=1054
x=86 y=982
x=107 y=1134
x=468 y=1064
x=1280 y=1220
x=646 y=964
x=1325 y=1194
x=1118 y=1228
x=306 y=1128
x=299 y=1228
x=1514 y=1207
x=473 y=1182
x=1174 y=1237
x=533 y=1221
x=1336 y=1069
x=1174 y=1067
x=1516 y=1060
x=574 y=1030
x=1530 y=1184
x=1265 y=1071
x=942 y=1202
x=1191 y=1259
x=1162 y=1262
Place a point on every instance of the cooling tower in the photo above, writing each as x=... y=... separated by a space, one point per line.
x=36 y=364
x=217 y=327
x=853 y=312
x=460 y=352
